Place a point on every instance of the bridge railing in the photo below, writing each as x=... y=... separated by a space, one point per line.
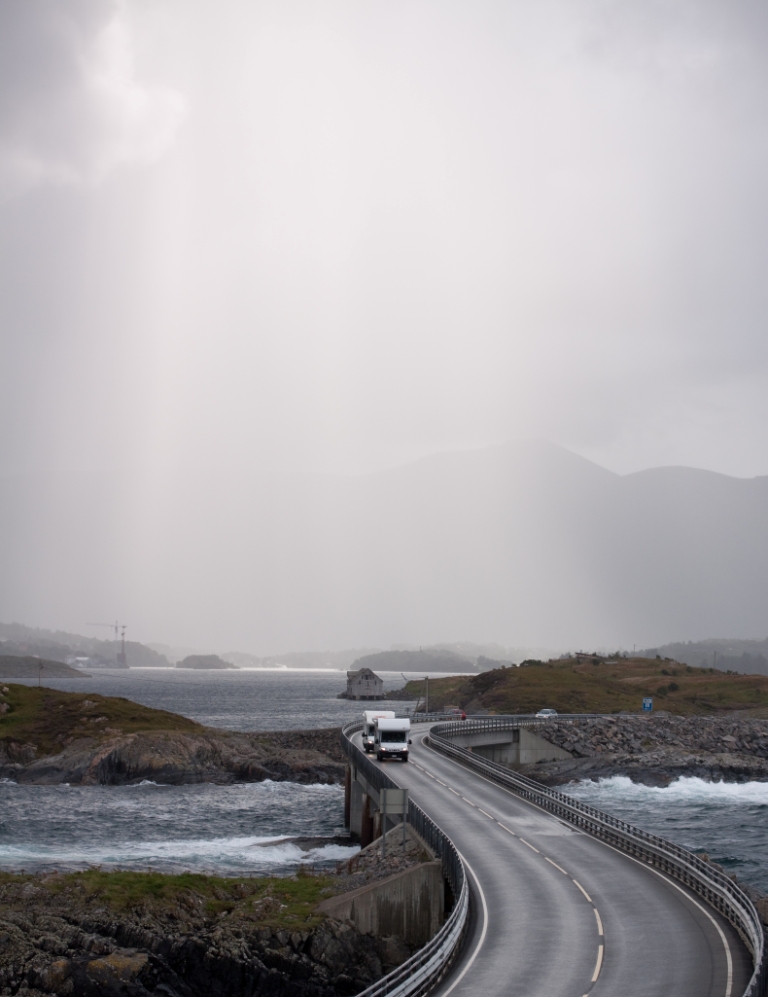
x=419 y=974
x=703 y=878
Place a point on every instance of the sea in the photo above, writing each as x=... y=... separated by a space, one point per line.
x=275 y=827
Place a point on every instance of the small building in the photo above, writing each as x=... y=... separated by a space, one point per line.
x=364 y=684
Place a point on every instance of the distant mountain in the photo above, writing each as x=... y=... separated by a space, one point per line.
x=57 y=645
x=204 y=662
x=427 y=660
x=748 y=657
x=526 y=545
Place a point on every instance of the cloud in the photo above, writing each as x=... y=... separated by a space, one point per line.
x=71 y=108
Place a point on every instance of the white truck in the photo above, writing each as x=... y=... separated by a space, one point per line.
x=369 y=725
x=390 y=739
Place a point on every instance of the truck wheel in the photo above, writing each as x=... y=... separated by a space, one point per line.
x=380 y=756
x=405 y=758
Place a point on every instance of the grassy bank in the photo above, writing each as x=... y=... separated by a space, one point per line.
x=600 y=685
x=47 y=717
x=272 y=901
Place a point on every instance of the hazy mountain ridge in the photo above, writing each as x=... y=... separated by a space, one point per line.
x=749 y=657
x=524 y=544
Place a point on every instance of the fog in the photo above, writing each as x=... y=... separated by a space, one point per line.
x=260 y=262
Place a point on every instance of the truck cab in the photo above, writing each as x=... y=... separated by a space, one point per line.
x=369 y=725
x=391 y=739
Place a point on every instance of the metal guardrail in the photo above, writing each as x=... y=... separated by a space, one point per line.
x=708 y=882
x=417 y=975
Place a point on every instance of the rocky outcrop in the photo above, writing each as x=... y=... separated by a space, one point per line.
x=655 y=750
x=177 y=758
x=65 y=945
x=132 y=934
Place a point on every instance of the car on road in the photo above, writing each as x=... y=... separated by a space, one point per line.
x=546 y=714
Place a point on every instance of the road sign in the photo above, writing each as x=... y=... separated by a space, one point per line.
x=647 y=704
x=393 y=801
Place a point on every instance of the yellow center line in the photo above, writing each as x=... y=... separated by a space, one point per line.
x=530 y=846
x=583 y=891
x=555 y=865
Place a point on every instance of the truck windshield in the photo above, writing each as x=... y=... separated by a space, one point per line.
x=393 y=735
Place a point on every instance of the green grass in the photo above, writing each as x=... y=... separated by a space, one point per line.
x=276 y=902
x=609 y=685
x=47 y=717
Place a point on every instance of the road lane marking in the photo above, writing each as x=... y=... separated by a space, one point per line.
x=599 y=922
x=555 y=865
x=486 y=813
x=589 y=898
x=530 y=846
x=599 y=964
x=454 y=791
x=671 y=882
x=644 y=865
x=468 y=801
x=440 y=781
x=483 y=933
x=513 y=833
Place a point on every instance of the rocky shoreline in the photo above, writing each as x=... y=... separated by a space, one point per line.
x=656 y=750
x=110 y=934
x=177 y=758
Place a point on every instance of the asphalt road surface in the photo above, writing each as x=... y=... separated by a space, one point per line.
x=557 y=913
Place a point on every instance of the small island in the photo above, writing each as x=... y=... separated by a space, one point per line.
x=205 y=662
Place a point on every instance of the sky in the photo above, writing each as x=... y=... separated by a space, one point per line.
x=339 y=237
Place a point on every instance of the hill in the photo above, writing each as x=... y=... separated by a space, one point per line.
x=426 y=660
x=12 y=667
x=49 y=737
x=600 y=685
x=57 y=645
x=743 y=656
x=205 y=662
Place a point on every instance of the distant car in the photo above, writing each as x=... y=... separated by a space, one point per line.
x=546 y=714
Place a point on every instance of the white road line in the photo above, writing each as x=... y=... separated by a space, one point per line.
x=483 y=933
x=555 y=865
x=440 y=781
x=468 y=801
x=671 y=882
x=454 y=791
x=486 y=813
x=513 y=833
x=728 y=956
x=599 y=922
x=599 y=964
x=589 y=898
x=530 y=846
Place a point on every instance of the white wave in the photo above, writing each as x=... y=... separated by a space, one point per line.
x=686 y=789
x=257 y=854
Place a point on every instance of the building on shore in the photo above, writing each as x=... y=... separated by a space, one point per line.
x=364 y=684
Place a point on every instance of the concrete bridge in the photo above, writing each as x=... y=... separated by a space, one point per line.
x=555 y=910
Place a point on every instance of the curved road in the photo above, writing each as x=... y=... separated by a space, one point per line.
x=557 y=913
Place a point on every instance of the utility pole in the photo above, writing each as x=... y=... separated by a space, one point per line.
x=426 y=682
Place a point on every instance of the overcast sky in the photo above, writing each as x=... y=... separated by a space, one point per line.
x=343 y=235
x=245 y=237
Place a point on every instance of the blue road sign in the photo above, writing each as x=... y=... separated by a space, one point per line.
x=647 y=704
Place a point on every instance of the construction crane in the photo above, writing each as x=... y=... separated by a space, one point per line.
x=119 y=629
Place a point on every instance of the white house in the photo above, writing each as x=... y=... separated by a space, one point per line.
x=364 y=684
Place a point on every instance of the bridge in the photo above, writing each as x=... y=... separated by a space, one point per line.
x=552 y=898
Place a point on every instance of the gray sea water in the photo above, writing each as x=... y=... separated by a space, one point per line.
x=259 y=828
